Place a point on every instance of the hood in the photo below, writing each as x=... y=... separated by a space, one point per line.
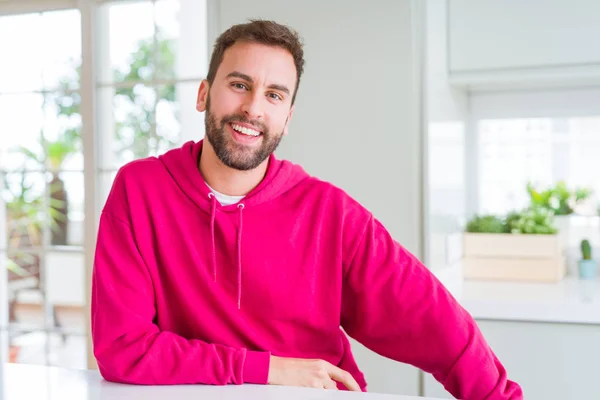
x=182 y=164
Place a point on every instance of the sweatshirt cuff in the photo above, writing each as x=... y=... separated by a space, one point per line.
x=256 y=367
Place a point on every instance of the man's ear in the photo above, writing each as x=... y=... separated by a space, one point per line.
x=287 y=121
x=202 y=96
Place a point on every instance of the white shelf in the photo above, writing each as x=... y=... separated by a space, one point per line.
x=569 y=301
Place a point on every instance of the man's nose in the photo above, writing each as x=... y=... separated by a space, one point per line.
x=253 y=106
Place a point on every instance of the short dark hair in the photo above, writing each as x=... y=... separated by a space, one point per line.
x=264 y=32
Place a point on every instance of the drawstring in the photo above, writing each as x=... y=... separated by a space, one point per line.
x=213 y=212
x=212 y=233
x=239 y=254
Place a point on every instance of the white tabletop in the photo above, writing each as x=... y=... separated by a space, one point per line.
x=50 y=383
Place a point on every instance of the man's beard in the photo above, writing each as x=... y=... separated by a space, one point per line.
x=233 y=154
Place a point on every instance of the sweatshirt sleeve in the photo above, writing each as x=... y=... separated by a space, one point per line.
x=395 y=306
x=129 y=347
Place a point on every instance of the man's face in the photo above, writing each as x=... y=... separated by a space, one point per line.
x=249 y=104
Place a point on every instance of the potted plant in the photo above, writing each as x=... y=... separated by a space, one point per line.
x=563 y=202
x=522 y=246
x=51 y=155
x=587 y=266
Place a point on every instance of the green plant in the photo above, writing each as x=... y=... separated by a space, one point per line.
x=51 y=155
x=586 y=250
x=24 y=213
x=582 y=194
x=16 y=269
x=533 y=220
x=558 y=198
x=24 y=224
x=511 y=220
x=486 y=224
x=137 y=132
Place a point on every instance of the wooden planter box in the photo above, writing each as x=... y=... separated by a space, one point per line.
x=514 y=257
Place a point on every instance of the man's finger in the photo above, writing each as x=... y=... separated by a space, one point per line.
x=344 y=377
x=330 y=384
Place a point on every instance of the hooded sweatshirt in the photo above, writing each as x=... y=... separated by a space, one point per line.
x=187 y=291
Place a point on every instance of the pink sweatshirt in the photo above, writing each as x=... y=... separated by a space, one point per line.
x=186 y=291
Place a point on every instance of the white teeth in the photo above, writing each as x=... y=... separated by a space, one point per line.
x=244 y=130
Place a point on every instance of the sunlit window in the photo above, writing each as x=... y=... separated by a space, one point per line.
x=543 y=151
x=145 y=104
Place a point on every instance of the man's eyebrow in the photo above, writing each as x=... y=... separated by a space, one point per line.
x=280 y=88
x=236 y=74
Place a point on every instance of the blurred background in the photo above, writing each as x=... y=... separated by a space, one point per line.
x=471 y=129
x=65 y=132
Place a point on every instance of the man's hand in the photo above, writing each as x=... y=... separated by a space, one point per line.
x=309 y=373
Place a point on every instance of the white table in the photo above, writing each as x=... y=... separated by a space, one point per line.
x=50 y=383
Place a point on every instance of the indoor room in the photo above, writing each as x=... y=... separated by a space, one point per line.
x=161 y=173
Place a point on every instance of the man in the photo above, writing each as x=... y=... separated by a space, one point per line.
x=217 y=263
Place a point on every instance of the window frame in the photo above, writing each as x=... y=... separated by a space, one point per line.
x=93 y=170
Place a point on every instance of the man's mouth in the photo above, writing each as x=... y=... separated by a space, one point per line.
x=245 y=130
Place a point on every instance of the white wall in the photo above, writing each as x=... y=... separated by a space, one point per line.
x=446 y=144
x=443 y=102
x=492 y=34
x=356 y=114
x=357 y=118
x=193 y=55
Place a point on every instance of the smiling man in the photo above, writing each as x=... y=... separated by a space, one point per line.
x=217 y=263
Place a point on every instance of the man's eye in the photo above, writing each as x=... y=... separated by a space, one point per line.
x=275 y=96
x=239 y=86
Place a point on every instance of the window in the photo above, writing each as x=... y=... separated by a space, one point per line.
x=149 y=58
x=542 y=137
x=544 y=151
x=148 y=79
x=41 y=169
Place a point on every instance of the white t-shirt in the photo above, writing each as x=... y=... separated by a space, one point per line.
x=224 y=199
